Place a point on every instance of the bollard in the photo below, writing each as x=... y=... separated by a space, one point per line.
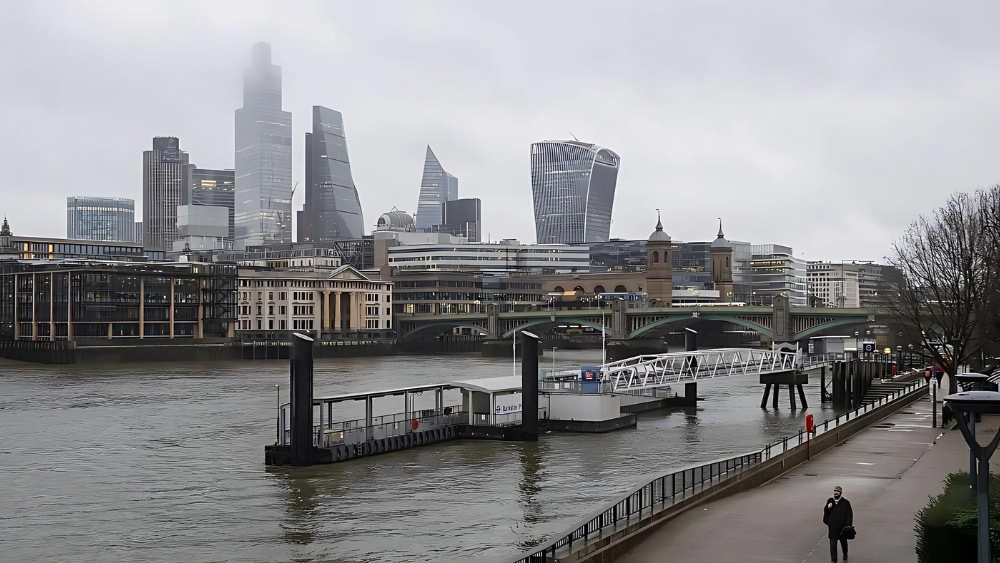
x=301 y=391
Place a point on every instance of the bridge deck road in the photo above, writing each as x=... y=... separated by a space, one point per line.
x=887 y=474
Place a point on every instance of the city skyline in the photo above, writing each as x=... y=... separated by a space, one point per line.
x=838 y=156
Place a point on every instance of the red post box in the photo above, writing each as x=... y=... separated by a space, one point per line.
x=809 y=424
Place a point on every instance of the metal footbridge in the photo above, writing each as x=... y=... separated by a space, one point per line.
x=660 y=370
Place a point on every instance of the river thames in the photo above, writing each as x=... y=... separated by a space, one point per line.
x=164 y=462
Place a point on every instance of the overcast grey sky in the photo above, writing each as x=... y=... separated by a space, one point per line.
x=826 y=126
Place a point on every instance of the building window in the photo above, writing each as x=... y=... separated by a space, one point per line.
x=656 y=257
x=270 y=324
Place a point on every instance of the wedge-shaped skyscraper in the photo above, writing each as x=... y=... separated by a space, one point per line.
x=436 y=187
x=332 y=209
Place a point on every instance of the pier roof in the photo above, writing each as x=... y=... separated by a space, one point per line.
x=491 y=384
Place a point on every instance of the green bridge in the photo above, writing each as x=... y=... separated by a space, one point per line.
x=779 y=322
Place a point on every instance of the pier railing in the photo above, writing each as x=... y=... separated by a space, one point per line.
x=660 y=491
x=356 y=431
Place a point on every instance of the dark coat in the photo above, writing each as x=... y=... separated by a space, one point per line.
x=838 y=517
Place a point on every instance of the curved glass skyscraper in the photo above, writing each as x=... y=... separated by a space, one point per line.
x=573 y=188
x=332 y=209
x=436 y=187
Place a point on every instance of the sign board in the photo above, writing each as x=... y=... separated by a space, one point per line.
x=869 y=347
x=590 y=379
x=887 y=350
x=507 y=404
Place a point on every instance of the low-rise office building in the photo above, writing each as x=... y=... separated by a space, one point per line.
x=508 y=256
x=333 y=302
x=92 y=299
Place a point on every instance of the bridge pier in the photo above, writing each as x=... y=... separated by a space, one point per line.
x=793 y=379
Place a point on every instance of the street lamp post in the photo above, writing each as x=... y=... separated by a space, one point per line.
x=973 y=403
x=554 y=359
x=604 y=349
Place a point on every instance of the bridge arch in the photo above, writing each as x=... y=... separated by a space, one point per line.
x=810 y=332
x=703 y=317
x=541 y=322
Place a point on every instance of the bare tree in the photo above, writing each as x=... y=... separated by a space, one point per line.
x=945 y=277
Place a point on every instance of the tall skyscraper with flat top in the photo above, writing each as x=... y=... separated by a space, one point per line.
x=573 y=189
x=166 y=183
x=332 y=209
x=263 y=213
x=436 y=187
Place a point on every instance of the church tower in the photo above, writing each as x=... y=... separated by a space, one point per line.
x=7 y=250
x=722 y=266
x=659 y=262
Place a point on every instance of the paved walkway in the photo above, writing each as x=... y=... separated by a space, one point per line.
x=887 y=472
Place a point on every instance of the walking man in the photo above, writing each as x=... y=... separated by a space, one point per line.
x=837 y=515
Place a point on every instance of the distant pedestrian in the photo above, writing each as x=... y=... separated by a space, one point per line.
x=938 y=373
x=837 y=515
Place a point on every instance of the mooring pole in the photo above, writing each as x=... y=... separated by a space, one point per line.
x=301 y=374
x=529 y=382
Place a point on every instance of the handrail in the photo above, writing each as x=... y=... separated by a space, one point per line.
x=654 y=490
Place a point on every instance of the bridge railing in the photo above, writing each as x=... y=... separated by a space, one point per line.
x=659 y=491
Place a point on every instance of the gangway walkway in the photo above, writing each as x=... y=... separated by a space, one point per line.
x=660 y=370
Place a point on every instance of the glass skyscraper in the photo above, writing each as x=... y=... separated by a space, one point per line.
x=573 y=188
x=263 y=213
x=166 y=183
x=436 y=187
x=100 y=218
x=332 y=209
x=217 y=188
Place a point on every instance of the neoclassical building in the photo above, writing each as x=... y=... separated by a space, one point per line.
x=332 y=302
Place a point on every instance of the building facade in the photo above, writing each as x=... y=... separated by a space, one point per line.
x=332 y=302
x=138 y=232
x=216 y=188
x=463 y=218
x=263 y=174
x=100 y=218
x=88 y=299
x=833 y=285
x=504 y=257
x=436 y=187
x=573 y=190
x=202 y=227
x=166 y=183
x=440 y=292
x=332 y=209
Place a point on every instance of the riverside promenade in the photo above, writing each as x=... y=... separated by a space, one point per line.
x=887 y=472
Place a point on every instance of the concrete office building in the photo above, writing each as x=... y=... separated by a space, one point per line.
x=507 y=256
x=138 y=232
x=332 y=209
x=166 y=183
x=573 y=190
x=201 y=227
x=462 y=217
x=436 y=187
x=263 y=200
x=100 y=218
x=216 y=188
x=832 y=285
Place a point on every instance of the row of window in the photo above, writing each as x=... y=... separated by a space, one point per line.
x=244 y=282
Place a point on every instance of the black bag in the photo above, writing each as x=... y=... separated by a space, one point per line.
x=848 y=533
